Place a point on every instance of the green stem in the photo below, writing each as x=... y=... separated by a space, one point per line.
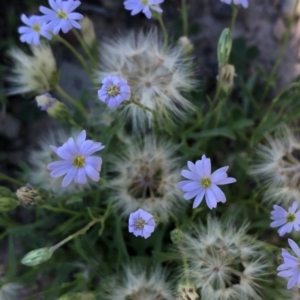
x=74 y=235
x=10 y=179
x=105 y=216
x=85 y=47
x=85 y=228
x=74 y=102
x=63 y=210
x=140 y=105
x=184 y=15
x=78 y=55
x=234 y=15
x=281 y=53
x=164 y=30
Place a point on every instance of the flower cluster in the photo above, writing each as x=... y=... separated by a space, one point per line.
x=61 y=17
x=278 y=167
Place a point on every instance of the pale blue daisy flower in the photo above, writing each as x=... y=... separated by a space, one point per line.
x=114 y=91
x=287 y=220
x=77 y=161
x=61 y=16
x=202 y=183
x=34 y=29
x=290 y=267
x=145 y=6
x=141 y=223
x=244 y=3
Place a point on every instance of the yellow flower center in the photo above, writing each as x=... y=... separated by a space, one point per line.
x=205 y=182
x=291 y=218
x=140 y=223
x=36 y=27
x=113 y=91
x=61 y=14
x=145 y=2
x=78 y=161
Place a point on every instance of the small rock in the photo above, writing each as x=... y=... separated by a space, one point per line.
x=116 y=4
x=221 y=11
x=9 y=126
x=279 y=29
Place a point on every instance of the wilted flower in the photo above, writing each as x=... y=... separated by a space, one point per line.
x=244 y=3
x=61 y=16
x=77 y=161
x=54 y=108
x=278 y=167
x=88 y=31
x=141 y=223
x=287 y=220
x=146 y=178
x=204 y=183
x=139 y=283
x=186 y=290
x=290 y=267
x=36 y=257
x=226 y=77
x=34 y=29
x=224 y=262
x=145 y=6
x=27 y=195
x=114 y=91
x=155 y=75
x=186 y=44
x=42 y=156
x=33 y=74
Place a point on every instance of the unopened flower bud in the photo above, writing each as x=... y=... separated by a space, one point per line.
x=77 y=296
x=36 y=257
x=8 y=204
x=5 y=192
x=54 y=108
x=185 y=42
x=176 y=236
x=88 y=31
x=224 y=47
x=28 y=196
x=186 y=290
x=226 y=77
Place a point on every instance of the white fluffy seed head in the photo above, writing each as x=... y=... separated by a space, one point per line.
x=224 y=262
x=278 y=166
x=39 y=176
x=157 y=76
x=146 y=178
x=137 y=283
x=35 y=73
